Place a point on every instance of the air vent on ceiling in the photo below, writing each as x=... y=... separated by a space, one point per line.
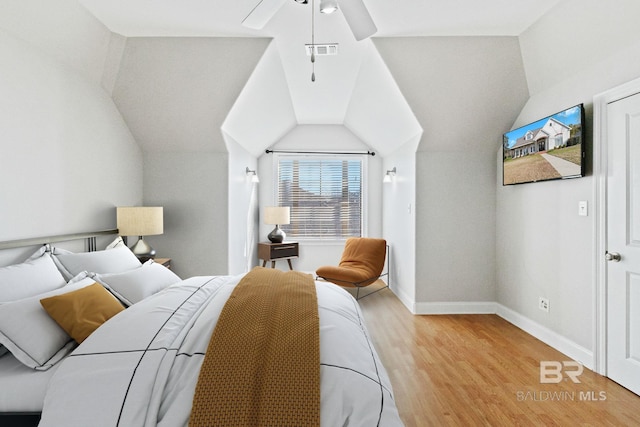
x=322 y=49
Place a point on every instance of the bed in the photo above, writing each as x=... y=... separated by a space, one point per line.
x=140 y=367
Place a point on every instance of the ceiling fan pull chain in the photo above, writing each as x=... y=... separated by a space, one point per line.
x=313 y=42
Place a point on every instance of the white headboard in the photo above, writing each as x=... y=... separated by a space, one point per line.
x=15 y=251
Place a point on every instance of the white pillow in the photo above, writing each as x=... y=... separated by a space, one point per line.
x=33 y=337
x=116 y=242
x=135 y=285
x=114 y=260
x=36 y=275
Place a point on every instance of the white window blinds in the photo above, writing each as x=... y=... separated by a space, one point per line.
x=324 y=194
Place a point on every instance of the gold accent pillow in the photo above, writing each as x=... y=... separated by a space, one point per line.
x=81 y=312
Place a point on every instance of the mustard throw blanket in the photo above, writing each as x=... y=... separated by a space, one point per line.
x=262 y=365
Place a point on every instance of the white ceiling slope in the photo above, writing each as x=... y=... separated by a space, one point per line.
x=353 y=88
x=176 y=93
x=324 y=101
x=374 y=110
x=266 y=101
x=378 y=112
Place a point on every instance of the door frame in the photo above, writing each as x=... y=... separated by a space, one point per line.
x=600 y=159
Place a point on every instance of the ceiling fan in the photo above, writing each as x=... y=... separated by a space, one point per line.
x=355 y=13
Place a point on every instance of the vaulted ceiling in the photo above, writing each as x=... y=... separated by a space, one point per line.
x=406 y=18
x=353 y=88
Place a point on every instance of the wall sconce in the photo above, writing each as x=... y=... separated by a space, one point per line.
x=389 y=175
x=253 y=175
x=328 y=6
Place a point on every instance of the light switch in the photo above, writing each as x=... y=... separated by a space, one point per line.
x=583 y=208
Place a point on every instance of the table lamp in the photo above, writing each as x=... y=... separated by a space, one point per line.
x=276 y=215
x=140 y=221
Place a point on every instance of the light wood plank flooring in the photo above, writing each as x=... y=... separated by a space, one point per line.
x=479 y=370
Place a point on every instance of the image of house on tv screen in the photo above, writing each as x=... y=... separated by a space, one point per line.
x=550 y=148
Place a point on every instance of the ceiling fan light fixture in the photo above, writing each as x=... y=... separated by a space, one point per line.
x=328 y=6
x=302 y=1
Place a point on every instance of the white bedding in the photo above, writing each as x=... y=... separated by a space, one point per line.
x=22 y=389
x=141 y=367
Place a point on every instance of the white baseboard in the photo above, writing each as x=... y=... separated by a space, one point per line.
x=455 y=308
x=547 y=336
x=564 y=345
x=404 y=299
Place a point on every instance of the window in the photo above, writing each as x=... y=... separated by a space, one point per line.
x=559 y=141
x=325 y=194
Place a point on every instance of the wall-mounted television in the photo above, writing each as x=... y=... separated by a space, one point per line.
x=550 y=148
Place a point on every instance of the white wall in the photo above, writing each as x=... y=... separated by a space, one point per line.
x=465 y=92
x=399 y=220
x=193 y=188
x=112 y=63
x=68 y=159
x=556 y=260
x=575 y=35
x=456 y=228
x=175 y=94
x=243 y=209
x=64 y=30
x=327 y=138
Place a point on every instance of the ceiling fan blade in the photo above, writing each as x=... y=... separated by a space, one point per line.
x=358 y=18
x=262 y=13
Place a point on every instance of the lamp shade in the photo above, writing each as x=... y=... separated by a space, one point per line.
x=140 y=220
x=276 y=215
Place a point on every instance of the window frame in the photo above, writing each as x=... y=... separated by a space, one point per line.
x=364 y=173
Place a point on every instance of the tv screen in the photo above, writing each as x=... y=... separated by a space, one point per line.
x=550 y=148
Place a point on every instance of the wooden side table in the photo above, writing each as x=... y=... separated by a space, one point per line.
x=268 y=251
x=164 y=261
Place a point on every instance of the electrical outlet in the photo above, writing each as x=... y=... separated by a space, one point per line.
x=543 y=304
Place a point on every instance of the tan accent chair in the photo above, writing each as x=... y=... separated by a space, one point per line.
x=362 y=262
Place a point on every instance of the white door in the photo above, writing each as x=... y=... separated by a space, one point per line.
x=623 y=242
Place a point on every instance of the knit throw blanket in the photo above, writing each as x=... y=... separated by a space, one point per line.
x=262 y=365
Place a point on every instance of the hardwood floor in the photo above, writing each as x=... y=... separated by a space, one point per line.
x=480 y=370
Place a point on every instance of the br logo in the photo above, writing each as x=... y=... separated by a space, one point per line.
x=552 y=372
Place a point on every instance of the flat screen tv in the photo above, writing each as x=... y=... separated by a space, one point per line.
x=550 y=148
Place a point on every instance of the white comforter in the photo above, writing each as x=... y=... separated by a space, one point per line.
x=141 y=367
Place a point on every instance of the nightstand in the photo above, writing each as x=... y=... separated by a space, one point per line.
x=268 y=251
x=164 y=261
